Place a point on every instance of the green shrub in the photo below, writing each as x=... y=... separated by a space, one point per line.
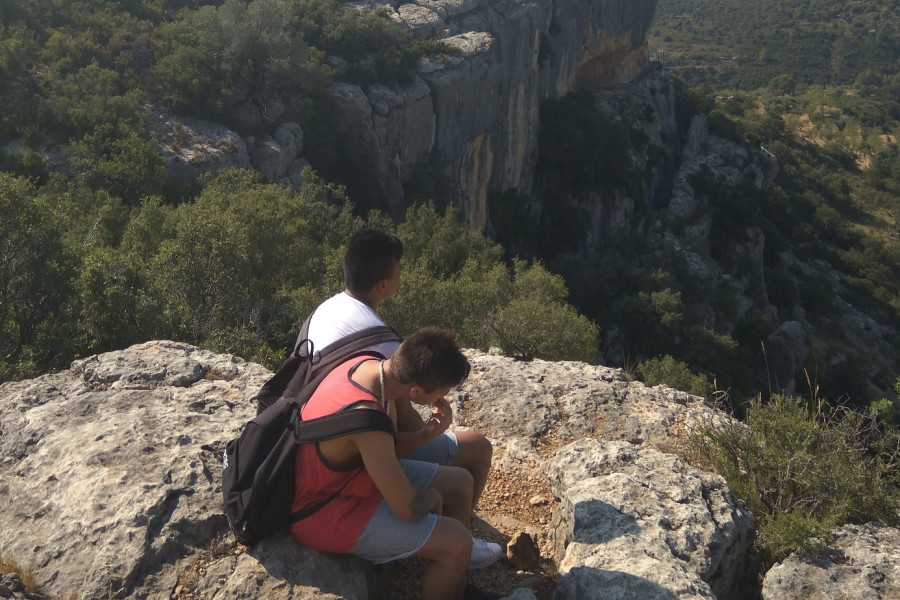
x=665 y=370
x=456 y=278
x=803 y=471
x=883 y=410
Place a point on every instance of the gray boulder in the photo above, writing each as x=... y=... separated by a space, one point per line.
x=635 y=523
x=111 y=479
x=859 y=562
x=274 y=157
x=192 y=147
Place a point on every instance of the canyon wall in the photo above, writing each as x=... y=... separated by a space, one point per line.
x=473 y=115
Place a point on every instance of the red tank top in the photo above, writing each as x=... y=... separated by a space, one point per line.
x=337 y=525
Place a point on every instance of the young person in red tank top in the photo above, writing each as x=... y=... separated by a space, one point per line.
x=390 y=508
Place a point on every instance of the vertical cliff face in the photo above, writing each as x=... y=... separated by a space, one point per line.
x=473 y=116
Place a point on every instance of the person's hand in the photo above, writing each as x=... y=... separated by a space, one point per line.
x=441 y=417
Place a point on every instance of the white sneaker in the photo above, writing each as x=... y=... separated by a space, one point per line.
x=484 y=554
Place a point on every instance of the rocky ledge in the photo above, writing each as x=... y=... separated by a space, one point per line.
x=110 y=483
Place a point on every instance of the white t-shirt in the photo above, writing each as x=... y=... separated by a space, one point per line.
x=342 y=315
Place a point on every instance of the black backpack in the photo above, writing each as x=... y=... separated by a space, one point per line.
x=258 y=466
x=297 y=371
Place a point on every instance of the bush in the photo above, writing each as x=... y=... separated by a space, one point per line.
x=665 y=370
x=457 y=279
x=803 y=471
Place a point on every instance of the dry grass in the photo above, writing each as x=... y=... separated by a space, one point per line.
x=9 y=565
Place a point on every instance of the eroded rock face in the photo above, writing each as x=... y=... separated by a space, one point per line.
x=859 y=562
x=111 y=479
x=479 y=118
x=192 y=147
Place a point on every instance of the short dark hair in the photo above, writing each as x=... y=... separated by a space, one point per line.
x=370 y=257
x=431 y=358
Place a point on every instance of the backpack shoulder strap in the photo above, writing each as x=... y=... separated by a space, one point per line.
x=275 y=386
x=339 y=351
x=333 y=426
x=339 y=424
x=304 y=345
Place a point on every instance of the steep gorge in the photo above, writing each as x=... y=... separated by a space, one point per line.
x=466 y=130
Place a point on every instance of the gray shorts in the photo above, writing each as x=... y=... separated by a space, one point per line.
x=386 y=537
x=441 y=450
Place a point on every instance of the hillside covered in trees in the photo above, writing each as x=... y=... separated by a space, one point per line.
x=817 y=83
x=102 y=248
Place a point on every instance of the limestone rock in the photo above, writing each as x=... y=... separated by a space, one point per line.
x=522 y=551
x=859 y=562
x=110 y=480
x=12 y=588
x=422 y=21
x=636 y=523
x=522 y=594
x=110 y=473
x=280 y=569
x=192 y=147
x=480 y=111
x=274 y=157
x=521 y=403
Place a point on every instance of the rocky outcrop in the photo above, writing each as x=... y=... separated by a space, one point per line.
x=473 y=113
x=858 y=561
x=642 y=524
x=192 y=147
x=110 y=478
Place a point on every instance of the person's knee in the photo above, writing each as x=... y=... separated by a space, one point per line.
x=475 y=450
x=463 y=483
x=456 y=485
x=483 y=449
x=450 y=543
x=459 y=542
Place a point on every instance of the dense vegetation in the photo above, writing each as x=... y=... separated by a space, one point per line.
x=804 y=469
x=746 y=44
x=108 y=251
x=834 y=203
x=817 y=82
x=238 y=267
x=77 y=76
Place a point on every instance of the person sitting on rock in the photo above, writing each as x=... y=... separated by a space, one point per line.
x=390 y=508
x=371 y=276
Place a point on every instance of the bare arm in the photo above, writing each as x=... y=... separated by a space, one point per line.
x=380 y=460
x=413 y=431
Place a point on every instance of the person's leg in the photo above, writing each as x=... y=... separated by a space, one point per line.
x=460 y=448
x=447 y=550
x=455 y=487
x=474 y=455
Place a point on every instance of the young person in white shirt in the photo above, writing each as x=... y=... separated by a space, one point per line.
x=371 y=276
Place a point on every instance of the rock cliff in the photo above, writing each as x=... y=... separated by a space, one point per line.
x=472 y=116
x=110 y=482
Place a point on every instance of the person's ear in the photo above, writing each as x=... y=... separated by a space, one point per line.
x=415 y=390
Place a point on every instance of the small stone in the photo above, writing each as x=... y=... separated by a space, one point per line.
x=522 y=551
x=538 y=500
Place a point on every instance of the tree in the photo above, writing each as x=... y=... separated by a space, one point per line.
x=457 y=279
x=35 y=273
